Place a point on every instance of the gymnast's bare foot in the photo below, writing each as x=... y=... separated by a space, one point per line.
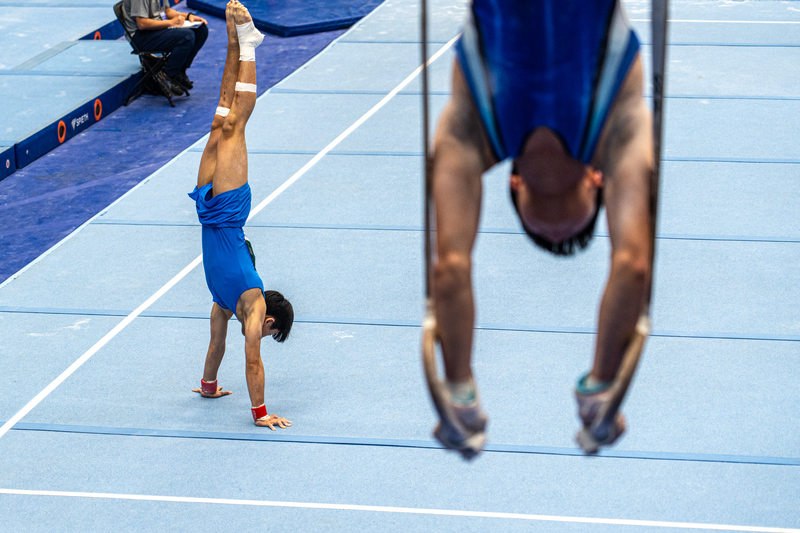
x=240 y=13
x=233 y=38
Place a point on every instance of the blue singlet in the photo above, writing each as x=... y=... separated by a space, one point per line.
x=226 y=259
x=552 y=63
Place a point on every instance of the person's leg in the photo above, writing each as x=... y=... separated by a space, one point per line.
x=178 y=41
x=183 y=45
x=231 y=168
x=208 y=163
x=200 y=36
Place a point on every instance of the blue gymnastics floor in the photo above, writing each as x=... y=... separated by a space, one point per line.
x=105 y=335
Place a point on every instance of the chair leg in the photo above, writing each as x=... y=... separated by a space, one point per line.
x=133 y=94
x=164 y=88
x=153 y=71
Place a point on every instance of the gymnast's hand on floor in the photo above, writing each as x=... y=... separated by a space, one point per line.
x=270 y=420
x=217 y=394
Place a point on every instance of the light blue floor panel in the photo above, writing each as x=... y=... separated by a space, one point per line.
x=718 y=11
x=696 y=129
x=93 y=57
x=698 y=281
x=698 y=32
x=565 y=486
x=716 y=71
x=735 y=200
x=398 y=21
x=35 y=515
x=327 y=370
x=383 y=67
x=757 y=130
x=404 y=112
x=710 y=71
x=25 y=32
x=38 y=348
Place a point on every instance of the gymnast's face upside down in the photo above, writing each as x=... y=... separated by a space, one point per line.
x=557 y=197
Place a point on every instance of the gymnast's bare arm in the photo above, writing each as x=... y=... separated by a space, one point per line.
x=216 y=349
x=461 y=155
x=625 y=155
x=252 y=313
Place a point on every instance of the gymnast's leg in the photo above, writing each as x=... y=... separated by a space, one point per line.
x=208 y=163
x=230 y=171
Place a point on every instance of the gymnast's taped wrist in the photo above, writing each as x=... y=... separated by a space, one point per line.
x=208 y=387
x=259 y=413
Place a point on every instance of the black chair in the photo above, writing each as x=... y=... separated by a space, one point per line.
x=153 y=63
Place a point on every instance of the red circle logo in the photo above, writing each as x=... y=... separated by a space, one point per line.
x=8 y=163
x=97 y=36
x=98 y=109
x=62 y=131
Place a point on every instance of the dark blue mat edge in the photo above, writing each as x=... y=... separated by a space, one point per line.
x=8 y=161
x=71 y=124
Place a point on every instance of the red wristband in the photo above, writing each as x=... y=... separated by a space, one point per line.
x=259 y=412
x=209 y=387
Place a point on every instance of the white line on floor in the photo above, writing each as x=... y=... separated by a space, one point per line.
x=404 y=510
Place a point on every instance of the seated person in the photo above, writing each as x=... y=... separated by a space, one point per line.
x=156 y=27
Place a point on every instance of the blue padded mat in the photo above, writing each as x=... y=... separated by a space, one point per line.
x=297 y=17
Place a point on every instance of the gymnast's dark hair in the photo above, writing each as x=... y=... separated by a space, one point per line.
x=282 y=311
x=567 y=247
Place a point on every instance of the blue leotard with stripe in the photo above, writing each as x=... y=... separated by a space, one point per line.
x=226 y=260
x=552 y=63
